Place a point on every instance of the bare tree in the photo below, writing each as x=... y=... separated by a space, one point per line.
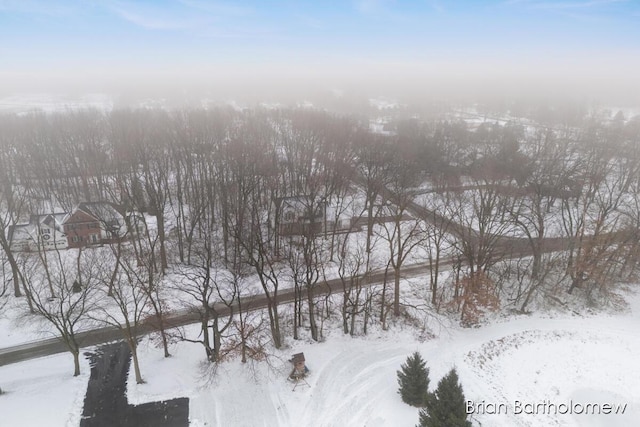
x=401 y=232
x=260 y=256
x=305 y=262
x=482 y=218
x=373 y=174
x=353 y=266
x=591 y=218
x=141 y=266
x=70 y=309
x=477 y=297
x=145 y=136
x=436 y=243
x=208 y=289
x=247 y=202
x=630 y=212
x=250 y=337
x=541 y=189
x=12 y=203
x=121 y=287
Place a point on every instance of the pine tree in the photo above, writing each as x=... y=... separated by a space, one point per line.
x=413 y=379
x=446 y=406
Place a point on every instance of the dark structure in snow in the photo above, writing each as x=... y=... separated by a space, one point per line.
x=105 y=404
x=299 y=368
x=299 y=371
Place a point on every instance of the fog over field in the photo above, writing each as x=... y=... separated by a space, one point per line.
x=606 y=79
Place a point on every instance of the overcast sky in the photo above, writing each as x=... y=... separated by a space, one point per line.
x=97 y=44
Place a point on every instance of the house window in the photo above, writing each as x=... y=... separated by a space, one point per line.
x=76 y=239
x=94 y=238
x=289 y=216
x=94 y=225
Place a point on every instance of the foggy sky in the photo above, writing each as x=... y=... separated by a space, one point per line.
x=294 y=49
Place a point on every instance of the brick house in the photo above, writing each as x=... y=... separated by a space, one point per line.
x=94 y=223
x=90 y=223
x=82 y=229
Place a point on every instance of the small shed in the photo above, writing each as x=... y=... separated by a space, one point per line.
x=299 y=367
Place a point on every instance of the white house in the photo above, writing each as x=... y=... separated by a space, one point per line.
x=42 y=232
x=300 y=215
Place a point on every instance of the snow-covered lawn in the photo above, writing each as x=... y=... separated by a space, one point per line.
x=43 y=392
x=17 y=328
x=532 y=359
x=554 y=358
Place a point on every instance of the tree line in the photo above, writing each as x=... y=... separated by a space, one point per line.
x=480 y=205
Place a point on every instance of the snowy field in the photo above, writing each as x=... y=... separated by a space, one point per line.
x=533 y=359
x=16 y=328
x=591 y=359
x=43 y=392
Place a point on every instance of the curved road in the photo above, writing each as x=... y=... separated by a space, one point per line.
x=506 y=247
x=32 y=350
x=178 y=318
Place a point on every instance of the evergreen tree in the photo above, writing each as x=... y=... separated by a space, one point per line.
x=413 y=379
x=446 y=406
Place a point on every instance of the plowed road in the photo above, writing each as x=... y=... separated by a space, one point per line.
x=103 y=335
x=92 y=337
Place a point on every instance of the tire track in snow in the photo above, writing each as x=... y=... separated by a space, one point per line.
x=486 y=366
x=491 y=367
x=345 y=390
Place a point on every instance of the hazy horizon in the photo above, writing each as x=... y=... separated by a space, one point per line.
x=580 y=49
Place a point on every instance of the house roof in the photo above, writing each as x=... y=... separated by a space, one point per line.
x=295 y=199
x=54 y=220
x=51 y=220
x=29 y=230
x=103 y=211
x=301 y=204
x=21 y=232
x=297 y=358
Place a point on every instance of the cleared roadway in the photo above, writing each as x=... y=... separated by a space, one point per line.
x=47 y=347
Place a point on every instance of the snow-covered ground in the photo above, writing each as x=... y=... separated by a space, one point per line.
x=532 y=359
x=43 y=392
x=17 y=328
x=540 y=358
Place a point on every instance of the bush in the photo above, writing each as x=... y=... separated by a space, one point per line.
x=446 y=406
x=413 y=378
